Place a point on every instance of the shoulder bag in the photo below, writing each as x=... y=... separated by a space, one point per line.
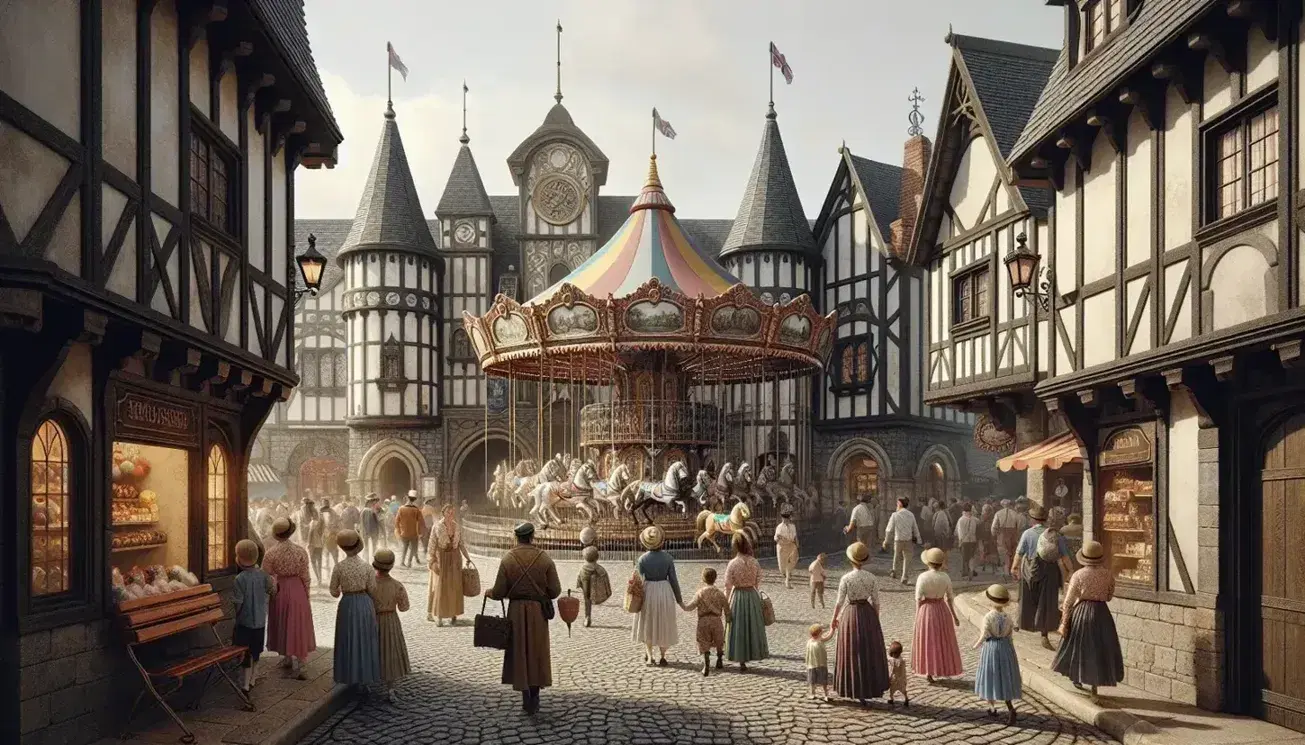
x=495 y=632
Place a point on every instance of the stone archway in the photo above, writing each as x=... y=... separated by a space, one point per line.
x=938 y=475
x=472 y=444
x=851 y=466
x=369 y=475
x=323 y=451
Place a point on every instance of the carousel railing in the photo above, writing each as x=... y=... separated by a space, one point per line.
x=666 y=421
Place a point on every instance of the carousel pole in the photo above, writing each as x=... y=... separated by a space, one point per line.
x=539 y=415
x=485 y=435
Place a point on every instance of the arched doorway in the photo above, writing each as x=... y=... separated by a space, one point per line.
x=861 y=478
x=557 y=273
x=472 y=476
x=322 y=477
x=395 y=478
x=935 y=483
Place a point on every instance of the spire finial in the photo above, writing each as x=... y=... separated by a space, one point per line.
x=770 y=112
x=464 y=139
x=915 y=117
x=653 y=179
x=950 y=39
x=558 y=96
x=389 y=109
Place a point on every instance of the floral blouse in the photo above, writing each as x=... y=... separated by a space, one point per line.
x=742 y=573
x=389 y=595
x=352 y=574
x=1089 y=583
x=857 y=585
x=285 y=559
x=709 y=601
x=445 y=538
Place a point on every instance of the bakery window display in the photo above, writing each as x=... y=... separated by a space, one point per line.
x=51 y=501
x=1128 y=524
x=149 y=511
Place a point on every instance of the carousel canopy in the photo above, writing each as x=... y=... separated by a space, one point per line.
x=650 y=290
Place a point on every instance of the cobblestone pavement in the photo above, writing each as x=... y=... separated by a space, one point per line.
x=603 y=693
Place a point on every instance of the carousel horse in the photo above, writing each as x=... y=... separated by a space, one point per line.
x=578 y=493
x=788 y=482
x=765 y=485
x=702 y=487
x=609 y=491
x=497 y=493
x=552 y=470
x=640 y=495
x=723 y=489
x=744 y=488
x=738 y=520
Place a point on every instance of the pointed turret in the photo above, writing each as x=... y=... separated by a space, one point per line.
x=389 y=212
x=464 y=192
x=770 y=217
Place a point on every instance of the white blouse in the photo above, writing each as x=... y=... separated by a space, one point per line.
x=933 y=585
x=997 y=625
x=785 y=532
x=857 y=585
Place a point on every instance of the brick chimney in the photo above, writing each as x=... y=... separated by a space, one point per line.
x=915 y=163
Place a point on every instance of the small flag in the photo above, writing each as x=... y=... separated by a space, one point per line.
x=778 y=60
x=559 y=27
x=395 y=62
x=663 y=126
x=464 y=87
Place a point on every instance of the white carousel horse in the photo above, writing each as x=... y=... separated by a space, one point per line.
x=550 y=471
x=744 y=489
x=724 y=486
x=578 y=493
x=788 y=482
x=609 y=491
x=738 y=520
x=702 y=487
x=497 y=493
x=672 y=489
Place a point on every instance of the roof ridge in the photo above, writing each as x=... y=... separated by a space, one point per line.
x=1003 y=47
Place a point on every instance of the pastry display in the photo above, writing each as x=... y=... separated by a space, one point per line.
x=1128 y=524
x=138 y=538
x=140 y=582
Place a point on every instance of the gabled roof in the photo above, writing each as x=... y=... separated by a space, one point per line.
x=770 y=215
x=288 y=28
x=558 y=125
x=879 y=185
x=389 y=212
x=464 y=192
x=1070 y=92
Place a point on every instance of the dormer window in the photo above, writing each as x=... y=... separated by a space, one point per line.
x=1101 y=20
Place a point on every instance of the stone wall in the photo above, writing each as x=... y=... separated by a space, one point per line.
x=1171 y=650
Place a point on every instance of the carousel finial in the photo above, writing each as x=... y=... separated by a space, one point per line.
x=653 y=179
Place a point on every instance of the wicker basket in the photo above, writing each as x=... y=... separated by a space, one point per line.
x=634 y=594
x=767 y=610
x=470 y=580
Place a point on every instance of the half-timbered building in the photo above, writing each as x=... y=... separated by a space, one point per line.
x=147 y=279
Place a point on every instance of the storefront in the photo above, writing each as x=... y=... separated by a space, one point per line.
x=1125 y=502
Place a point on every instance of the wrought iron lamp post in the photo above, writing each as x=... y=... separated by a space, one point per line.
x=311 y=265
x=1026 y=279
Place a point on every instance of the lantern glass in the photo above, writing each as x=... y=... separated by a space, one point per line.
x=311 y=266
x=1022 y=267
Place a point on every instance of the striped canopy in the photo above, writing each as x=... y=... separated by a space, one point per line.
x=650 y=244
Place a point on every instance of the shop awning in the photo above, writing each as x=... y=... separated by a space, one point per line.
x=262 y=474
x=1051 y=453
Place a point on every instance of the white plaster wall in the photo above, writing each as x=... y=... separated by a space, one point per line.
x=122 y=277
x=974 y=177
x=165 y=104
x=1100 y=226
x=73 y=381
x=1242 y=282
x=199 y=78
x=229 y=115
x=40 y=66
x=1064 y=361
x=1261 y=60
x=1183 y=322
x=1218 y=89
x=1067 y=232
x=1099 y=329
x=1178 y=170
x=279 y=212
x=1183 y=485
x=1138 y=193
x=254 y=201
x=1142 y=339
x=118 y=73
x=29 y=175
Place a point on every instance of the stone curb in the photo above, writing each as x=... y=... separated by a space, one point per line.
x=1119 y=724
x=298 y=727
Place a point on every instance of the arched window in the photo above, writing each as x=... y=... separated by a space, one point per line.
x=218 y=485
x=341 y=370
x=558 y=273
x=461 y=346
x=854 y=364
x=52 y=510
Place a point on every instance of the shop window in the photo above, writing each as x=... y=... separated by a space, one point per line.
x=392 y=377
x=52 y=510
x=1126 y=503
x=212 y=180
x=970 y=296
x=218 y=484
x=150 y=546
x=1242 y=165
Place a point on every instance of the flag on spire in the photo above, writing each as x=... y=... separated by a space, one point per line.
x=395 y=62
x=779 y=61
x=663 y=126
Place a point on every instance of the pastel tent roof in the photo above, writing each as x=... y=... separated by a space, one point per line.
x=651 y=243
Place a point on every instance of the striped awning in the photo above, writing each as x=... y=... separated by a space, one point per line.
x=1051 y=453
x=262 y=474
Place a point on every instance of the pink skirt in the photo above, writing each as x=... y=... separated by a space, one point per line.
x=290 y=619
x=934 y=650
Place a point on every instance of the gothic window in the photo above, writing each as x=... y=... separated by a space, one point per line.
x=308 y=369
x=970 y=296
x=212 y=180
x=461 y=346
x=218 y=483
x=1243 y=168
x=52 y=510
x=392 y=376
x=341 y=369
x=326 y=363
x=854 y=358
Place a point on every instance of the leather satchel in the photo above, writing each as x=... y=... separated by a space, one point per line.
x=492 y=632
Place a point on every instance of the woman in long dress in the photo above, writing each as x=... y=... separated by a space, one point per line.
x=860 y=666
x=1041 y=565
x=357 y=639
x=290 y=614
x=934 y=651
x=745 y=635
x=1089 y=652
x=446 y=552
x=391 y=598
x=655 y=625
x=997 y=678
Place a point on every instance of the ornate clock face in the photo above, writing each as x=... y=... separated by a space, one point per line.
x=464 y=233
x=558 y=199
x=392 y=298
x=988 y=436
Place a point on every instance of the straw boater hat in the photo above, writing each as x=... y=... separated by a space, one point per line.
x=246 y=553
x=283 y=528
x=858 y=553
x=652 y=537
x=934 y=557
x=998 y=594
x=1037 y=512
x=349 y=541
x=1090 y=554
x=383 y=561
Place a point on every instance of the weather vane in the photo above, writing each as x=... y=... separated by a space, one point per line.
x=915 y=116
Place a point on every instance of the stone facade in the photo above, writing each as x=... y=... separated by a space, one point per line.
x=1171 y=650
x=420 y=448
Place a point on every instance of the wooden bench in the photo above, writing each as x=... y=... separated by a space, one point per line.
x=157 y=617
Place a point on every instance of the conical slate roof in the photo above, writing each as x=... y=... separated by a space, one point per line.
x=464 y=192
x=771 y=215
x=389 y=213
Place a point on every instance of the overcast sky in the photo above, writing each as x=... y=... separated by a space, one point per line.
x=702 y=63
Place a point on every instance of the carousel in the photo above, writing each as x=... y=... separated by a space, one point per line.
x=652 y=333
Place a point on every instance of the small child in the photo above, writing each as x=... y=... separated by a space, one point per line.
x=897 y=675
x=997 y=677
x=711 y=605
x=818 y=658
x=593 y=583
x=817 y=572
x=251 y=591
x=391 y=599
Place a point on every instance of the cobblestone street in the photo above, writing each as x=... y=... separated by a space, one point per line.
x=604 y=694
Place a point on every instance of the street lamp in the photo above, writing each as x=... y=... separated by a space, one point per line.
x=1022 y=269
x=311 y=265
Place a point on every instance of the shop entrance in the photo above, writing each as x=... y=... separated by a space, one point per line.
x=1282 y=574
x=396 y=479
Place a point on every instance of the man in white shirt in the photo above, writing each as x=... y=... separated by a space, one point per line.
x=967 y=534
x=862 y=522
x=1007 y=525
x=902 y=530
x=786 y=545
x=942 y=528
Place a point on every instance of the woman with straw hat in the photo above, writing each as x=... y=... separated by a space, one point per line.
x=1089 y=652
x=745 y=634
x=357 y=639
x=934 y=651
x=390 y=598
x=290 y=615
x=1041 y=563
x=655 y=625
x=997 y=678
x=860 y=667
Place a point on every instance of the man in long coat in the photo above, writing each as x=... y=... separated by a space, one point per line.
x=527 y=578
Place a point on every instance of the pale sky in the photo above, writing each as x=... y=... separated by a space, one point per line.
x=703 y=63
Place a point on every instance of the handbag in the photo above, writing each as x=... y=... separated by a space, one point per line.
x=492 y=632
x=767 y=610
x=634 y=594
x=470 y=580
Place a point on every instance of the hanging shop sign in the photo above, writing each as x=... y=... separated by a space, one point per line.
x=152 y=418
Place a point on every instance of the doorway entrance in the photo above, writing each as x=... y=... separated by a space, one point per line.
x=472 y=476
x=395 y=479
x=1282 y=574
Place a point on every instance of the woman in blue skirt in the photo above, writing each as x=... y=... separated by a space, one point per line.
x=998 y=675
x=357 y=638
